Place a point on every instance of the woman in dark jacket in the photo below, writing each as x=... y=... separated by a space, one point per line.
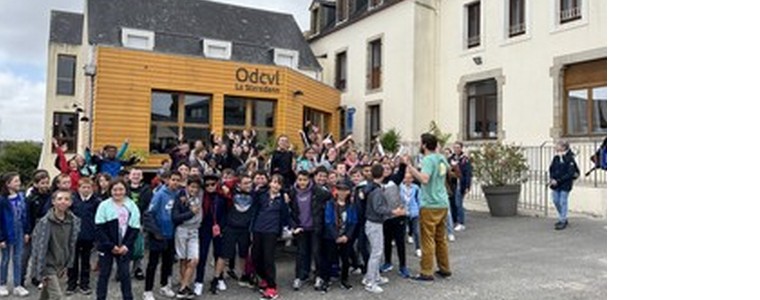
x=563 y=171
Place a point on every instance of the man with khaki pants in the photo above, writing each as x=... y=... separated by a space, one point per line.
x=434 y=209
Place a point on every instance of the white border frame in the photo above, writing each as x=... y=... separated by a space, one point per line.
x=556 y=27
x=506 y=40
x=464 y=19
x=217 y=43
x=126 y=32
x=285 y=52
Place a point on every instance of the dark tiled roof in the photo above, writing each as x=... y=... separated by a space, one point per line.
x=358 y=11
x=181 y=25
x=66 y=27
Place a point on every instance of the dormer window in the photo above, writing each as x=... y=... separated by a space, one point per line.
x=217 y=49
x=286 y=58
x=137 y=38
x=375 y=3
x=342 y=10
x=315 y=21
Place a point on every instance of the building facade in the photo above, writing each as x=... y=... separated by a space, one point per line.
x=518 y=71
x=154 y=71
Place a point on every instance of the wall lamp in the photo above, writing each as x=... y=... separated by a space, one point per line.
x=478 y=60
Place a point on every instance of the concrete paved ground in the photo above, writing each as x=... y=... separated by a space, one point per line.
x=495 y=258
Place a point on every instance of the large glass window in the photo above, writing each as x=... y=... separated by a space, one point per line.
x=65 y=130
x=482 y=110
x=319 y=118
x=587 y=111
x=248 y=113
x=174 y=114
x=65 y=83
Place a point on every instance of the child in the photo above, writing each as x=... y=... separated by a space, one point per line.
x=214 y=217
x=394 y=228
x=378 y=210
x=141 y=194
x=161 y=236
x=187 y=215
x=260 y=182
x=54 y=242
x=307 y=209
x=70 y=167
x=103 y=181
x=236 y=234
x=62 y=182
x=340 y=223
x=84 y=206
x=410 y=194
x=111 y=162
x=117 y=224
x=270 y=217
x=14 y=232
x=36 y=199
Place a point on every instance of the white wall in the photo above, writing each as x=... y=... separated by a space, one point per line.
x=525 y=63
x=60 y=103
x=395 y=24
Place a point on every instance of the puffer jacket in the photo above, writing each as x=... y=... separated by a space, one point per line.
x=41 y=240
x=564 y=170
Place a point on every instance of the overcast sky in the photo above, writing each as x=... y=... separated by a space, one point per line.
x=24 y=27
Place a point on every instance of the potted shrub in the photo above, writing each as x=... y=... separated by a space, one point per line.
x=500 y=169
x=391 y=140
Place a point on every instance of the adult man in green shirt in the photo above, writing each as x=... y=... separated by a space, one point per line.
x=433 y=209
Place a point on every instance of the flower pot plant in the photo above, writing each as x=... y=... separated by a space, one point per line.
x=500 y=169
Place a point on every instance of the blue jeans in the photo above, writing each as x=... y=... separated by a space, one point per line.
x=414 y=231
x=17 y=247
x=459 y=202
x=560 y=202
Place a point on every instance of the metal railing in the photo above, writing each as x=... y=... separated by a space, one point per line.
x=570 y=14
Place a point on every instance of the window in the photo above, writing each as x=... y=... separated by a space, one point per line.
x=340 y=71
x=375 y=3
x=586 y=98
x=173 y=114
x=482 y=109
x=570 y=10
x=587 y=111
x=66 y=73
x=137 y=39
x=473 y=24
x=342 y=6
x=287 y=58
x=315 y=21
x=374 y=128
x=516 y=17
x=248 y=113
x=65 y=130
x=374 y=74
x=319 y=118
x=217 y=49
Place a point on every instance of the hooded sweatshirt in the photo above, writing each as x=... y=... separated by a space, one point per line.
x=161 y=208
x=303 y=200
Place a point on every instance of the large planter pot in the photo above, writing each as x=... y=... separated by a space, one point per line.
x=502 y=200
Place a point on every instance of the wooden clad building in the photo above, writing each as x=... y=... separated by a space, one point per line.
x=155 y=71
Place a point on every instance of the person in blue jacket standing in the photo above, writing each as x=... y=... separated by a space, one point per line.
x=562 y=172
x=160 y=228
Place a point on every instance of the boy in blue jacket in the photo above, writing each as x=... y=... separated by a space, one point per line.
x=161 y=236
x=340 y=223
x=85 y=206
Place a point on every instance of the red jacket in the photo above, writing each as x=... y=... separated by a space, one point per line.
x=63 y=165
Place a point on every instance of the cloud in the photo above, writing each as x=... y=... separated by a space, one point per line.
x=22 y=107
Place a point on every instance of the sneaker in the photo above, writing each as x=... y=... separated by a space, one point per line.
x=418 y=253
x=451 y=238
x=365 y=282
x=221 y=285
x=386 y=268
x=270 y=293
x=245 y=281
x=214 y=289
x=4 y=291
x=356 y=271
x=85 y=290
x=344 y=285
x=71 y=290
x=423 y=278
x=382 y=280
x=374 y=288
x=262 y=286
x=139 y=275
x=443 y=274
x=459 y=227
x=404 y=272
x=148 y=296
x=410 y=240
x=20 y=291
x=297 y=284
x=185 y=293
x=318 y=283
x=561 y=226
x=323 y=288
x=198 y=289
x=166 y=291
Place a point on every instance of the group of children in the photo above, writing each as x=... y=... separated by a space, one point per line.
x=344 y=213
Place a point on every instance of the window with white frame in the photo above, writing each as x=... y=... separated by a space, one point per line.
x=569 y=10
x=138 y=39
x=217 y=49
x=342 y=7
x=286 y=58
x=516 y=12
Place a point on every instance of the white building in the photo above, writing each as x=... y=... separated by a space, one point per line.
x=521 y=71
